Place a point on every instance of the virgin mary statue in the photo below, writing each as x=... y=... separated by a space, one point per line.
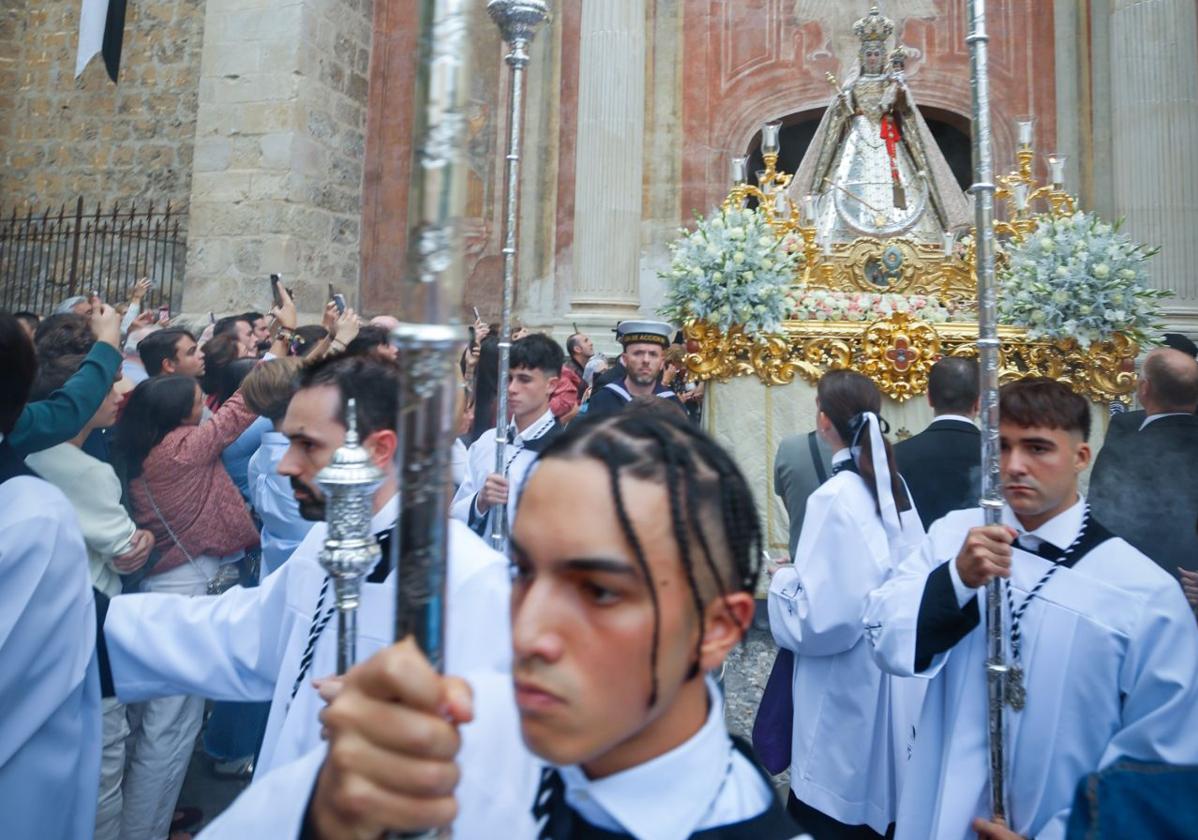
x=873 y=164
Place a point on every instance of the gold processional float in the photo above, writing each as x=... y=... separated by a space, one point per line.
x=897 y=350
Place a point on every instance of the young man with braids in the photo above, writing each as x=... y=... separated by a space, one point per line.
x=1105 y=646
x=608 y=726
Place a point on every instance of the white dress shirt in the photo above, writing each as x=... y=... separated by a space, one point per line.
x=1152 y=418
x=701 y=784
x=960 y=418
x=247 y=644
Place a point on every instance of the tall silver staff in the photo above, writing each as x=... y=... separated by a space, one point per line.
x=517 y=21
x=988 y=346
x=350 y=549
x=426 y=350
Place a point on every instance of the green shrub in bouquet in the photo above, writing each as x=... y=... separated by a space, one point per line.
x=731 y=270
x=1078 y=277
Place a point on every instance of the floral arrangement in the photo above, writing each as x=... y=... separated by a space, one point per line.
x=1078 y=277
x=732 y=269
x=823 y=305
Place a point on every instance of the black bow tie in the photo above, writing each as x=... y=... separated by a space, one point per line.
x=846 y=465
x=1045 y=549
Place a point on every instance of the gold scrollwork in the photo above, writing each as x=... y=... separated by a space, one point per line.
x=897 y=354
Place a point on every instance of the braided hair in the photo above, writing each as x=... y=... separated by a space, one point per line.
x=711 y=506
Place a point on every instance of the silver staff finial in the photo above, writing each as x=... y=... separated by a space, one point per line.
x=350 y=549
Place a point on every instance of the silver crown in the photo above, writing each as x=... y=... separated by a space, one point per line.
x=875 y=26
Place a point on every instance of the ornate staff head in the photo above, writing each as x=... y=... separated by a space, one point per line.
x=348 y=483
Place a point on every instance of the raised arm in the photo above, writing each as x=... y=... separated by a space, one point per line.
x=62 y=415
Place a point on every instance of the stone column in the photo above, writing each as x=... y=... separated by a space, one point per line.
x=1154 y=127
x=608 y=204
x=279 y=142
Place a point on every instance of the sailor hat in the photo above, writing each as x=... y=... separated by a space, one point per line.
x=644 y=332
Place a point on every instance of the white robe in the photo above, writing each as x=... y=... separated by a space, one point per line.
x=480 y=463
x=853 y=724
x=49 y=686
x=701 y=784
x=246 y=645
x=1110 y=654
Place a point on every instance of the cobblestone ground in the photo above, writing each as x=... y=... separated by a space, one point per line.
x=744 y=680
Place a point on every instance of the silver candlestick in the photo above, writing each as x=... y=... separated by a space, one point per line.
x=517 y=21
x=997 y=669
x=427 y=350
x=350 y=549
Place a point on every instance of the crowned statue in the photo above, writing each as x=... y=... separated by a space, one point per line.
x=873 y=165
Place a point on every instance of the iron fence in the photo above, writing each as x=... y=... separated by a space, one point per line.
x=52 y=256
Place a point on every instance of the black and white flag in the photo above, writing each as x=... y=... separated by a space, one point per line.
x=101 y=28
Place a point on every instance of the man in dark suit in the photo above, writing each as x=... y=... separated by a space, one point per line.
x=802 y=464
x=942 y=464
x=1143 y=487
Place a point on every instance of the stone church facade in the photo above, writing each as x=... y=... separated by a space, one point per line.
x=282 y=128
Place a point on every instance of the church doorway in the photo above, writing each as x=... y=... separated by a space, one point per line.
x=950 y=130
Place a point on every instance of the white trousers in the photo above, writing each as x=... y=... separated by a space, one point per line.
x=163 y=730
x=112 y=769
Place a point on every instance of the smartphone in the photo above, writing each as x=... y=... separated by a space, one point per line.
x=339 y=302
x=164 y=313
x=211 y=317
x=477 y=317
x=275 y=280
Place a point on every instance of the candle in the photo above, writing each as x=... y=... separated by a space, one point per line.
x=740 y=170
x=1056 y=165
x=1024 y=129
x=781 y=206
x=949 y=239
x=769 y=138
x=1019 y=193
x=810 y=209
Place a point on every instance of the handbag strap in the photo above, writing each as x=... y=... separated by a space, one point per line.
x=170 y=531
x=816 y=459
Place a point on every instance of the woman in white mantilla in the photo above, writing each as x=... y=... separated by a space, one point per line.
x=873 y=161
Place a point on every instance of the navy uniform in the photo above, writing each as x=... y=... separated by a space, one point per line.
x=613 y=396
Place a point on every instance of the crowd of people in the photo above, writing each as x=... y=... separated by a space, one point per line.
x=161 y=518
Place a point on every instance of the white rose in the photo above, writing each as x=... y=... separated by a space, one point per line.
x=1102 y=271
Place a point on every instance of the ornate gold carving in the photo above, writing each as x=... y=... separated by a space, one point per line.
x=897 y=353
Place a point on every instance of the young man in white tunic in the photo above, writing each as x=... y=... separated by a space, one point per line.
x=612 y=729
x=1105 y=645
x=270 y=642
x=49 y=688
x=853 y=724
x=535 y=366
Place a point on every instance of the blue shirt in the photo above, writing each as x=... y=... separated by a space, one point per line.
x=237 y=454
x=274 y=501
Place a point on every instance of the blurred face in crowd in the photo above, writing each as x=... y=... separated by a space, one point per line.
x=314 y=430
x=260 y=331
x=584 y=348
x=189 y=358
x=528 y=394
x=643 y=362
x=83 y=307
x=248 y=345
x=1040 y=467
x=583 y=618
